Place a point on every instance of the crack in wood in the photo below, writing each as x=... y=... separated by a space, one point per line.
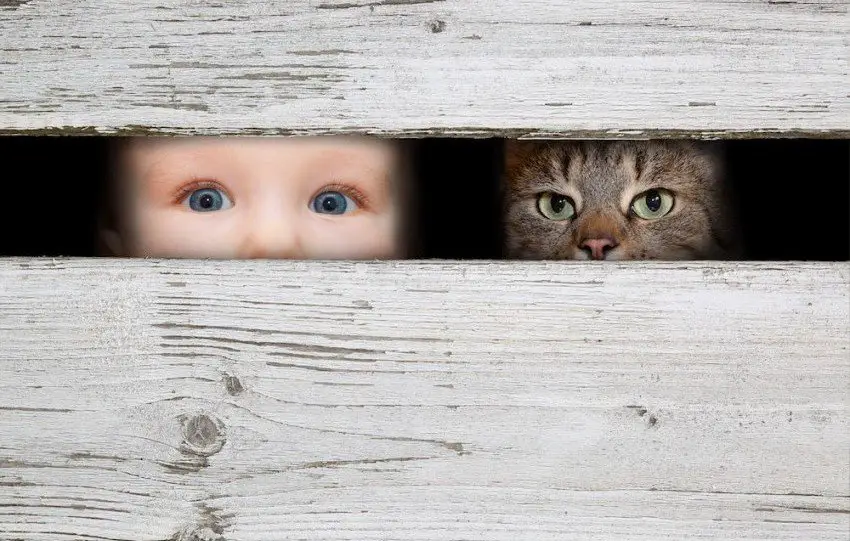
x=340 y=463
x=288 y=332
x=806 y=509
x=37 y=410
x=333 y=352
x=14 y=4
x=314 y=368
x=324 y=52
x=95 y=456
x=349 y=5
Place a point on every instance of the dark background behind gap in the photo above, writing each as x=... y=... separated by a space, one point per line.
x=794 y=197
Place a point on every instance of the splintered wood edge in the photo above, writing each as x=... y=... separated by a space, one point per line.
x=459 y=132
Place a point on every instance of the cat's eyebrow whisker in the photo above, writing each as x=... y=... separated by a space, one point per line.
x=559 y=164
x=553 y=185
x=550 y=187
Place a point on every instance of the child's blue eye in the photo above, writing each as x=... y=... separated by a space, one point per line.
x=209 y=200
x=332 y=203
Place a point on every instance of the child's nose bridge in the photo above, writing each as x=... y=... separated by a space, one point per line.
x=273 y=232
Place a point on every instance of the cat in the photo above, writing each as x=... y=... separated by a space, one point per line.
x=616 y=200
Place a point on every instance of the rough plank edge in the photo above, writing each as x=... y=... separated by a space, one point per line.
x=460 y=132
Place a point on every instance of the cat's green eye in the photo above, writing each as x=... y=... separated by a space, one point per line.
x=555 y=206
x=652 y=204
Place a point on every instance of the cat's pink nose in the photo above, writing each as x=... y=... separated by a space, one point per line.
x=598 y=248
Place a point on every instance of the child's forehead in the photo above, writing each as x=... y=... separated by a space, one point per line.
x=144 y=150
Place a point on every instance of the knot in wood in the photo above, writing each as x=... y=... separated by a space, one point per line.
x=233 y=385
x=437 y=26
x=209 y=527
x=198 y=534
x=203 y=435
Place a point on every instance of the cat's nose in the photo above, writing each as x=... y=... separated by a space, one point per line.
x=598 y=248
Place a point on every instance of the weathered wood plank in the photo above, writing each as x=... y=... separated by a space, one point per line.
x=545 y=68
x=236 y=400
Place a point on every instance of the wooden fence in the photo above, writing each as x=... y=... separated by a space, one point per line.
x=200 y=400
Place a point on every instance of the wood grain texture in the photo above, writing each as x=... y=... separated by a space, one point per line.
x=151 y=400
x=544 y=68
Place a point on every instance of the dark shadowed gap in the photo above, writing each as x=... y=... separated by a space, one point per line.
x=794 y=197
x=51 y=187
x=459 y=199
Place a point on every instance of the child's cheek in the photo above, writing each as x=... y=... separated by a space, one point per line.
x=176 y=232
x=362 y=236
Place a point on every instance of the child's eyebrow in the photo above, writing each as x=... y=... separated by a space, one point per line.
x=168 y=168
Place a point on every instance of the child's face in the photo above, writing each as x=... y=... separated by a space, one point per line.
x=300 y=198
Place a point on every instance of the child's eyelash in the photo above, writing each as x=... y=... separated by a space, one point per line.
x=197 y=184
x=352 y=192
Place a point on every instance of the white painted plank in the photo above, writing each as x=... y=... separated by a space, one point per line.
x=145 y=400
x=586 y=68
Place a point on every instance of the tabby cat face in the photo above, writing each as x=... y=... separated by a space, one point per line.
x=615 y=200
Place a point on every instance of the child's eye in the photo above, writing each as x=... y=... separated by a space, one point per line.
x=208 y=200
x=332 y=202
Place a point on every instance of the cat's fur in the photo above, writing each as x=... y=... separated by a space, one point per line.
x=602 y=177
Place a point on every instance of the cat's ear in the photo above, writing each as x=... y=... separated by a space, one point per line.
x=517 y=153
x=714 y=154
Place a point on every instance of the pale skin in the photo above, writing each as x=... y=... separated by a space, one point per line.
x=242 y=198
